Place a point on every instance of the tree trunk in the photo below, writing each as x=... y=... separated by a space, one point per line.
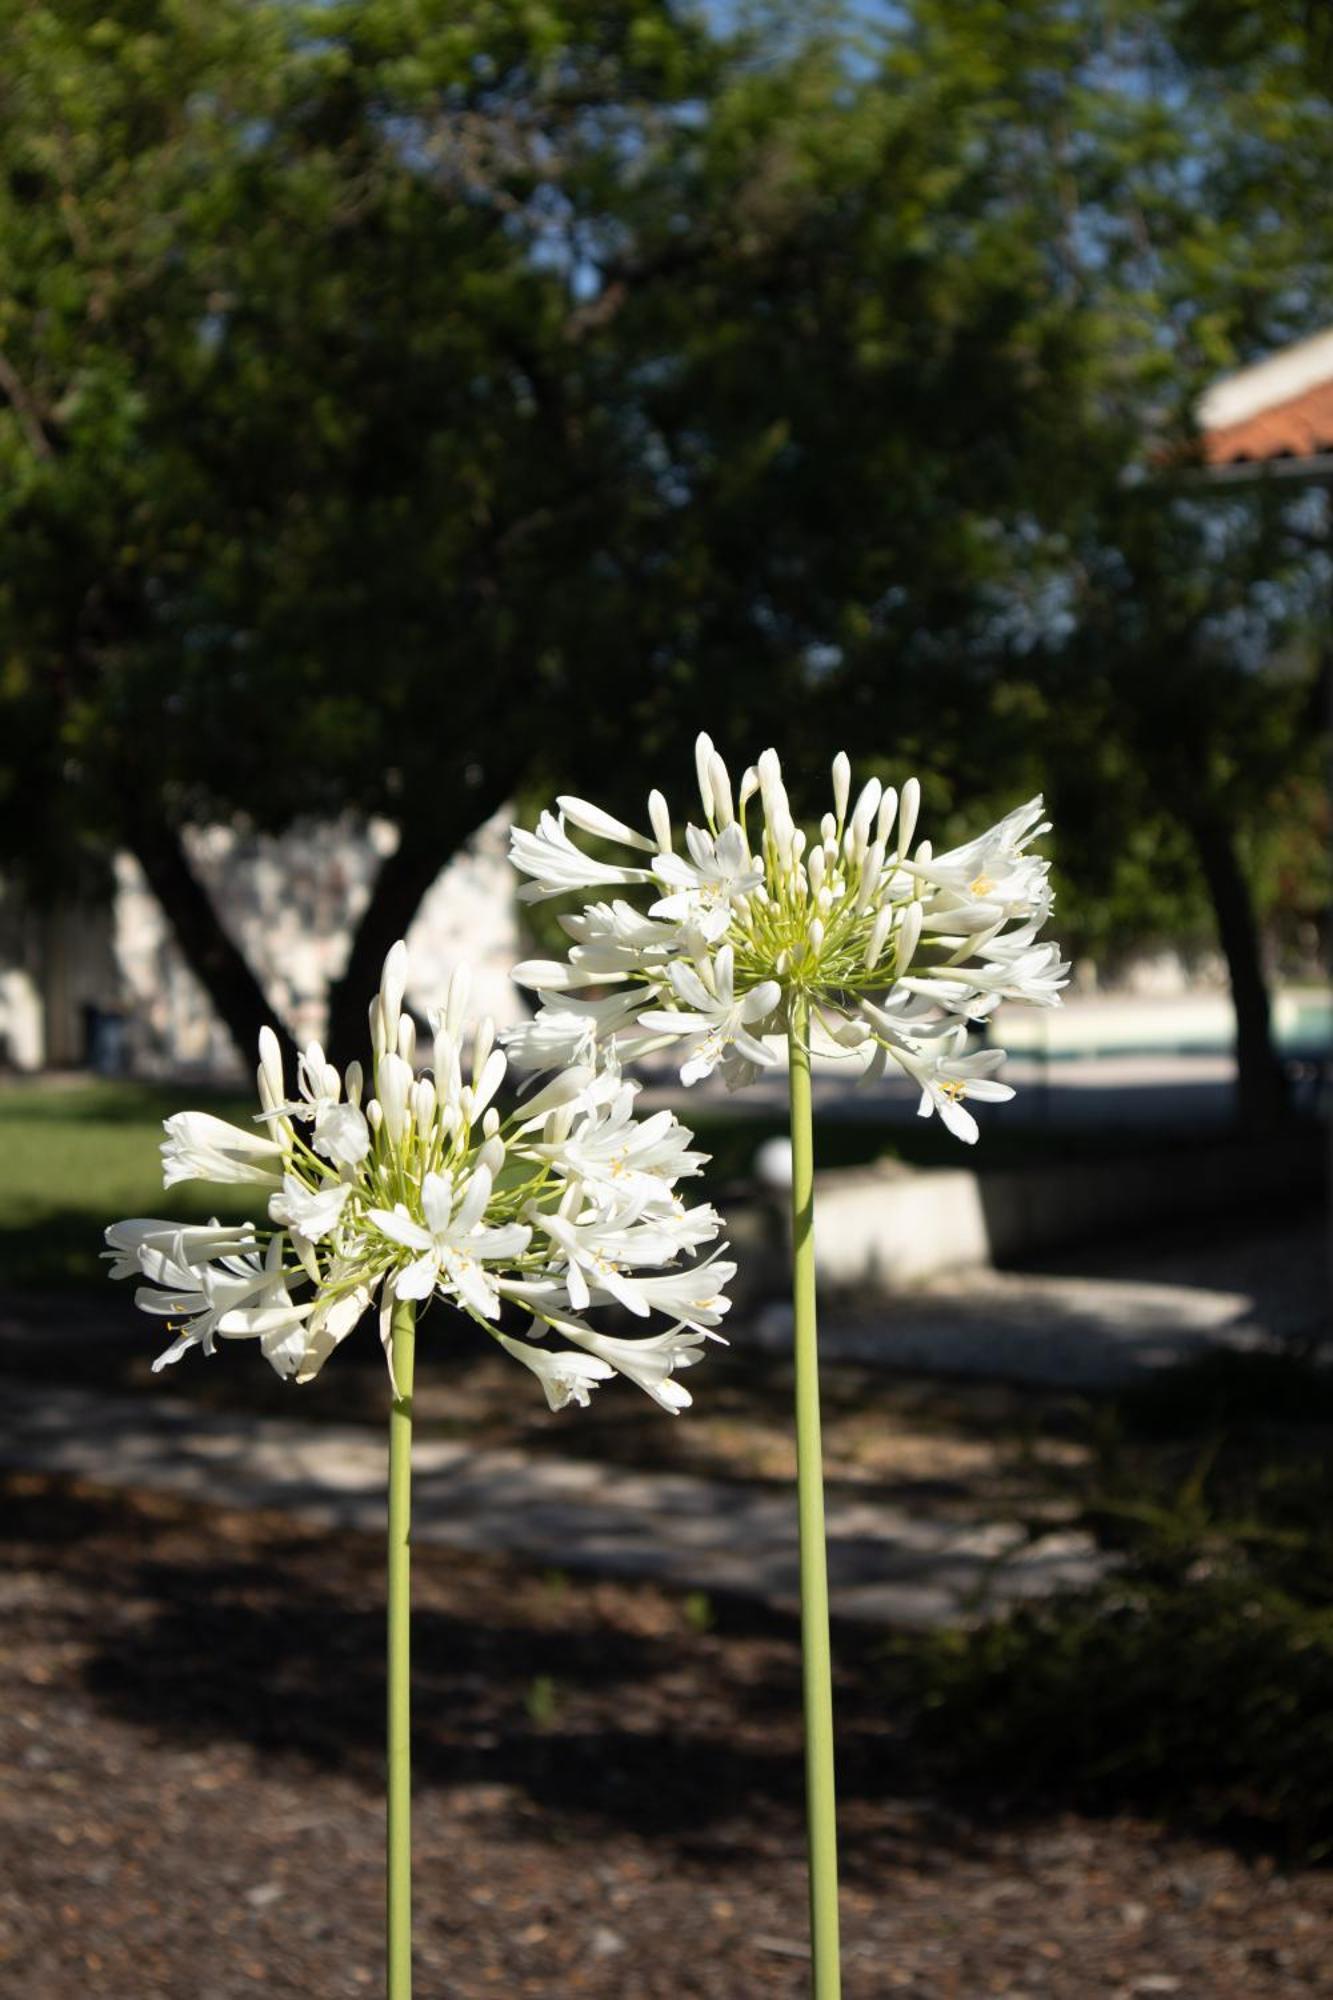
x=1260 y=1087
x=214 y=959
x=424 y=849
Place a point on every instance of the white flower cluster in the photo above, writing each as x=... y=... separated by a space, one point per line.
x=568 y=1204
x=893 y=948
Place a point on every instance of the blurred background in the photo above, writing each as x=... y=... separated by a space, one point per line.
x=410 y=411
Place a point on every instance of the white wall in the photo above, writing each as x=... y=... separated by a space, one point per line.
x=290 y=902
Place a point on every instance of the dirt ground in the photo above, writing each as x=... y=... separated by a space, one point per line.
x=608 y=1796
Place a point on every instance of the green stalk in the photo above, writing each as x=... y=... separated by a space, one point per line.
x=816 y=1665
x=398 y=1868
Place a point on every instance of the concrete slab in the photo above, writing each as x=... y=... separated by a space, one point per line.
x=886 y=1567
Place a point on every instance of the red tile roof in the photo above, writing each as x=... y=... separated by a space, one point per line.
x=1296 y=428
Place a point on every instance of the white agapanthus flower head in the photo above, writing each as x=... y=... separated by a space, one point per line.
x=423 y=1189
x=710 y=939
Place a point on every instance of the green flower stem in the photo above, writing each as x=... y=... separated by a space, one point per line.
x=398 y=1872
x=816 y=1665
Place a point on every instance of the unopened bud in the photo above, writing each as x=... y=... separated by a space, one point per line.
x=878 y=933
x=659 y=818
x=865 y=810
x=871 y=871
x=907 y=812
x=393 y=984
x=393 y=1082
x=270 y=1069
x=456 y=999
x=720 y=782
x=703 y=751
x=909 y=936
x=407 y=1038
x=842 y=784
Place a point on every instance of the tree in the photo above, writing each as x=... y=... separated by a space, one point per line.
x=311 y=498
x=404 y=410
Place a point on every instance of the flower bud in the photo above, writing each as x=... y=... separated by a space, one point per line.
x=871 y=871
x=393 y=1081
x=269 y=1075
x=407 y=1038
x=354 y=1082
x=422 y=1101
x=878 y=932
x=456 y=999
x=864 y=812
x=909 y=937
x=721 y=787
x=488 y=1082
x=907 y=812
x=842 y=784
x=659 y=818
x=888 y=807
x=703 y=751
x=393 y=983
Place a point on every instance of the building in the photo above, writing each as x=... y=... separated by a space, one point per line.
x=108 y=985
x=1277 y=414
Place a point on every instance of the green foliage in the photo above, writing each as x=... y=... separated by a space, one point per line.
x=1210 y=1700
x=1194 y=1683
x=400 y=407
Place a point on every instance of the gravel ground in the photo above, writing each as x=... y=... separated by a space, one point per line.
x=608 y=1795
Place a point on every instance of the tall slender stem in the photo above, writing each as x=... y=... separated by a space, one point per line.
x=398 y=1859
x=816 y=1664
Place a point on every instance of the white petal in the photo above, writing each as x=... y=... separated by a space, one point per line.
x=593 y=820
x=437 y=1205
x=418 y=1280
x=400 y=1227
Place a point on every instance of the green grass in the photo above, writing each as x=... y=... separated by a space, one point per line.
x=73 y=1159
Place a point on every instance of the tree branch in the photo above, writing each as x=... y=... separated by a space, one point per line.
x=25 y=410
